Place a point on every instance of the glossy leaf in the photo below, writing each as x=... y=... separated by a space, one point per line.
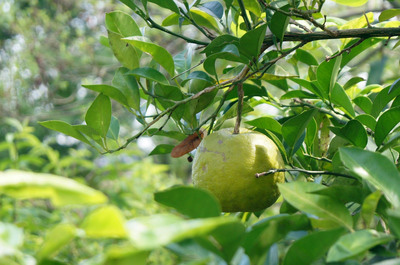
x=190 y=201
x=368 y=208
x=374 y=168
x=98 y=116
x=293 y=128
x=340 y=98
x=350 y=245
x=213 y=7
x=266 y=123
x=120 y=25
x=113 y=131
x=162 y=149
x=364 y=103
x=386 y=122
x=279 y=23
x=299 y=195
x=168 y=4
x=149 y=74
x=109 y=91
x=105 y=222
x=313 y=87
x=66 y=129
x=159 y=54
x=251 y=42
x=353 y=81
x=310 y=248
x=383 y=98
x=367 y=120
x=354 y=132
x=158 y=230
x=327 y=73
x=298 y=94
x=56 y=238
x=129 y=87
x=306 y=57
x=355 y=51
x=219 y=43
x=60 y=190
x=230 y=53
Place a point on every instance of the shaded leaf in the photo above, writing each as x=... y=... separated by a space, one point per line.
x=266 y=123
x=109 y=91
x=386 y=122
x=340 y=98
x=251 y=42
x=308 y=249
x=213 y=7
x=364 y=103
x=374 y=168
x=113 y=131
x=128 y=86
x=306 y=57
x=369 y=206
x=279 y=23
x=299 y=195
x=350 y=245
x=367 y=120
x=230 y=53
x=60 y=190
x=149 y=74
x=98 y=116
x=190 y=201
x=162 y=149
x=388 y=14
x=383 y=98
x=354 y=132
x=66 y=129
x=168 y=4
x=327 y=73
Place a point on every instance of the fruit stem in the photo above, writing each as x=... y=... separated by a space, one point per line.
x=236 y=130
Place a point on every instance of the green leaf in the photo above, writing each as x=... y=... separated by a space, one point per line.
x=98 y=116
x=199 y=75
x=190 y=201
x=109 y=91
x=279 y=23
x=260 y=236
x=374 y=168
x=171 y=134
x=310 y=248
x=298 y=94
x=306 y=57
x=113 y=131
x=162 y=149
x=105 y=222
x=253 y=6
x=213 y=7
x=311 y=133
x=367 y=120
x=386 y=122
x=355 y=51
x=204 y=19
x=66 y=129
x=60 y=190
x=311 y=86
x=351 y=2
x=149 y=74
x=353 y=244
x=352 y=82
x=388 y=14
x=344 y=193
x=393 y=216
x=125 y=255
x=159 y=230
x=230 y=53
x=364 y=103
x=383 y=98
x=266 y=123
x=369 y=206
x=293 y=128
x=354 y=132
x=159 y=54
x=340 y=98
x=251 y=42
x=327 y=73
x=219 y=43
x=168 y=4
x=299 y=195
x=56 y=238
x=91 y=133
x=128 y=86
x=120 y=25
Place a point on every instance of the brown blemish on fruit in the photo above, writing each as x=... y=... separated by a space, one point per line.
x=190 y=143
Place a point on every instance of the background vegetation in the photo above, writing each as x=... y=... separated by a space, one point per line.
x=101 y=189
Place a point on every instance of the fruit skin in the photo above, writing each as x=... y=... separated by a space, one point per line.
x=226 y=164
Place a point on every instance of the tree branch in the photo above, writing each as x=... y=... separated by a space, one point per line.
x=362 y=33
x=309 y=172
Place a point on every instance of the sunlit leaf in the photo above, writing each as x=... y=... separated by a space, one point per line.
x=351 y=2
x=266 y=123
x=162 y=149
x=149 y=74
x=98 y=116
x=388 y=14
x=66 y=129
x=60 y=190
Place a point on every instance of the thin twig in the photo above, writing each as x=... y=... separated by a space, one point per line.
x=188 y=70
x=240 y=91
x=297 y=24
x=347 y=50
x=366 y=18
x=244 y=15
x=309 y=172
